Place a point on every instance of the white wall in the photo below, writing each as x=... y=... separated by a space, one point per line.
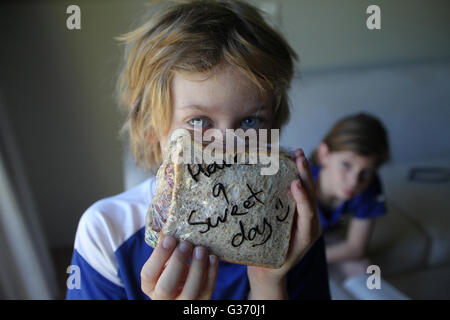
x=329 y=34
x=413 y=102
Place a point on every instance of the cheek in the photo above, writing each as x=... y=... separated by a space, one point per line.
x=176 y=122
x=162 y=144
x=163 y=137
x=338 y=175
x=340 y=172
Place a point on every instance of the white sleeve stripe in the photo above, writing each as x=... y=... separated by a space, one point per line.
x=107 y=224
x=97 y=257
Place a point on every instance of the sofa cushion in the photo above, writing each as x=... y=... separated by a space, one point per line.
x=398 y=244
x=428 y=204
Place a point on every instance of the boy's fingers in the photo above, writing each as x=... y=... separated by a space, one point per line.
x=213 y=269
x=304 y=171
x=196 y=275
x=170 y=280
x=304 y=210
x=307 y=220
x=154 y=266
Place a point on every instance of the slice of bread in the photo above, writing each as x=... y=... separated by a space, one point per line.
x=238 y=214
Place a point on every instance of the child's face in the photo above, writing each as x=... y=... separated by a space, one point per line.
x=348 y=173
x=222 y=99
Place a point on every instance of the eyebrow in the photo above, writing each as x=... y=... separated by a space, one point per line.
x=257 y=110
x=196 y=106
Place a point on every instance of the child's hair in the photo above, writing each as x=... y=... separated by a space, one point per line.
x=196 y=36
x=362 y=134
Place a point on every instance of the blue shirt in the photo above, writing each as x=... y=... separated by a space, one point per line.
x=110 y=251
x=368 y=204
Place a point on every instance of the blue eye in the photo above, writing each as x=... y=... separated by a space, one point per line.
x=251 y=122
x=346 y=165
x=199 y=122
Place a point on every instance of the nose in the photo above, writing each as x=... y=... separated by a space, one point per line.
x=227 y=124
x=354 y=180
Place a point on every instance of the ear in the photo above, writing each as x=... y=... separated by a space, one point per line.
x=150 y=137
x=323 y=153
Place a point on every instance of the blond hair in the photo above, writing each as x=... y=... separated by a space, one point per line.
x=196 y=36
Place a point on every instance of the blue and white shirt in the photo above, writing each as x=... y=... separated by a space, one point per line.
x=368 y=204
x=110 y=252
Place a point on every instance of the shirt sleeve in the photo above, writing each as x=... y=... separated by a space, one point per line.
x=309 y=279
x=94 y=265
x=371 y=203
x=85 y=283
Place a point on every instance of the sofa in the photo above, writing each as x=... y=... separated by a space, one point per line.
x=411 y=244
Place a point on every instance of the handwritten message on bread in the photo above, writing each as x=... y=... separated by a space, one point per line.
x=235 y=212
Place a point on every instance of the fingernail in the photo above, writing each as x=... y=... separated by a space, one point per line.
x=199 y=253
x=168 y=242
x=184 y=246
x=212 y=260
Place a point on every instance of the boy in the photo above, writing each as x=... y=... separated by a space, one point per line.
x=214 y=64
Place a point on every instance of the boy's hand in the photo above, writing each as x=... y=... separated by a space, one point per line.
x=305 y=231
x=167 y=274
